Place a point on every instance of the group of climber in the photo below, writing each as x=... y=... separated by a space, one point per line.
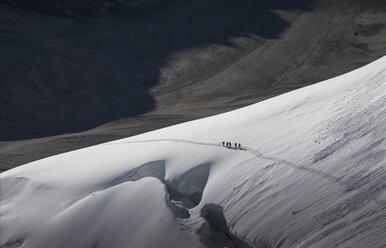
x=229 y=144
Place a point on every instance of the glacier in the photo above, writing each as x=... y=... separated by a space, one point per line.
x=310 y=173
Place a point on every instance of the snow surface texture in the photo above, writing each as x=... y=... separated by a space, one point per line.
x=311 y=173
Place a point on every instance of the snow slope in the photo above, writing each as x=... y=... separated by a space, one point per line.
x=311 y=174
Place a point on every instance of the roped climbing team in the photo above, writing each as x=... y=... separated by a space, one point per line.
x=229 y=144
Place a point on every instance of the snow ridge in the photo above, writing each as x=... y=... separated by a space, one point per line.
x=258 y=154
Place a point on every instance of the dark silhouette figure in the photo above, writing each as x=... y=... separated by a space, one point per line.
x=239 y=145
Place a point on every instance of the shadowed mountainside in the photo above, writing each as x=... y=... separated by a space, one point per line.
x=65 y=75
x=158 y=63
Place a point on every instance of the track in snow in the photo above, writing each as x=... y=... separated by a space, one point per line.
x=258 y=154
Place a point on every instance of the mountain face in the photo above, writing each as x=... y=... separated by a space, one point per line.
x=310 y=172
x=134 y=66
x=98 y=8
